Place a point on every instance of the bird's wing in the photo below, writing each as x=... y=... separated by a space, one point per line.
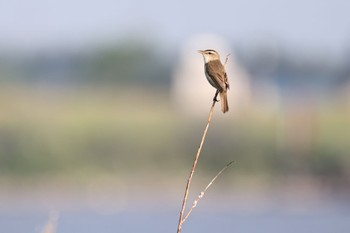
x=226 y=81
x=218 y=74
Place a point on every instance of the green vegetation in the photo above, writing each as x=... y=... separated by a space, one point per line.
x=85 y=131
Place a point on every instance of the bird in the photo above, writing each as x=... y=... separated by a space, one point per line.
x=216 y=76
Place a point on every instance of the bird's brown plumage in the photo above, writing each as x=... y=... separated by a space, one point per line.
x=218 y=79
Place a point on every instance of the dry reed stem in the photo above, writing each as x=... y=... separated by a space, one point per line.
x=201 y=195
x=193 y=169
x=227 y=58
x=189 y=180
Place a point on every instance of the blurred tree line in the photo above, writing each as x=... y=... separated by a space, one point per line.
x=133 y=61
x=127 y=62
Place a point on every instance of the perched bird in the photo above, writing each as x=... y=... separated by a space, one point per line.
x=216 y=75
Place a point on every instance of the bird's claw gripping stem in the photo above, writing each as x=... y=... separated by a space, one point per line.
x=215 y=97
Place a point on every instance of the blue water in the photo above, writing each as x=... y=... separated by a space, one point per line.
x=88 y=221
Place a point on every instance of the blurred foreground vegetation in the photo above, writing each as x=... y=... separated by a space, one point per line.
x=83 y=131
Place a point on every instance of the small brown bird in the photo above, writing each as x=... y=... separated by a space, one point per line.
x=216 y=75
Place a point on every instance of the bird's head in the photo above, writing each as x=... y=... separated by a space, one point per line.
x=209 y=55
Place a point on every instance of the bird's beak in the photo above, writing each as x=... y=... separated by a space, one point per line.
x=200 y=51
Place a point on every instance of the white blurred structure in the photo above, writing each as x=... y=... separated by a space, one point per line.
x=192 y=92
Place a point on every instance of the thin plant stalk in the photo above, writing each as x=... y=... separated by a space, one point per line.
x=189 y=180
x=201 y=195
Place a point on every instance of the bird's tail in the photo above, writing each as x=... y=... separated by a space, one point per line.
x=224 y=103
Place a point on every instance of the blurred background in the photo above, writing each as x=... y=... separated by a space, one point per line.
x=103 y=103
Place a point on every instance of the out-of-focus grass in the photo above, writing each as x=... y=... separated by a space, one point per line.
x=91 y=130
x=64 y=130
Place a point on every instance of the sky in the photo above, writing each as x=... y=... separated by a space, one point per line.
x=35 y=24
